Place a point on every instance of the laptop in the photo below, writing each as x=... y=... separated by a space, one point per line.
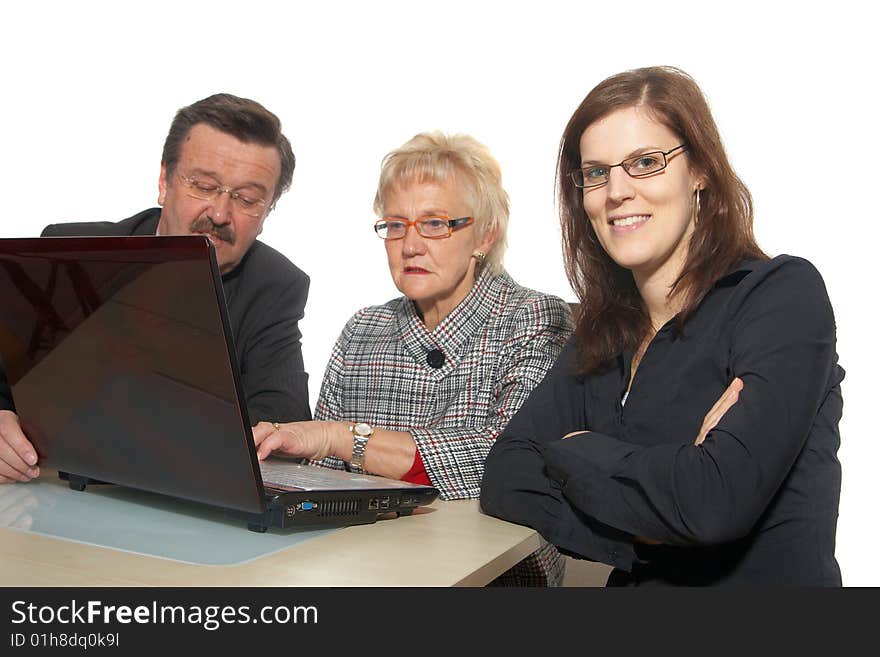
x=123 y=370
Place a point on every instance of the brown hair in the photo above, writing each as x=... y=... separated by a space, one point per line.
x=612 y=316
x=242 y=118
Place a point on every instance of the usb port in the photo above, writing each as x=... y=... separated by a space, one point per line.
x=385 y=502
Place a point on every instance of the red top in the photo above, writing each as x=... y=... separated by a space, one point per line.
x=417 y=474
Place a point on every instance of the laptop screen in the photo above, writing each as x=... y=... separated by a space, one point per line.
x=121 y=364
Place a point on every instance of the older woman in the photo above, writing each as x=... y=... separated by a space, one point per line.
x=614 y=457
x=419 y=388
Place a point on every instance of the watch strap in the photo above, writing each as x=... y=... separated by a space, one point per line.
x=359 y=446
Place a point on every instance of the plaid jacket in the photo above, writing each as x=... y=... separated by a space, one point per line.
x=498 y=344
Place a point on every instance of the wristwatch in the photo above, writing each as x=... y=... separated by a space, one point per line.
x=361 y=433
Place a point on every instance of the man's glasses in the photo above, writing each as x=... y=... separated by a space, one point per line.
x=637 y=166
x=206 y=190
x=434 y=228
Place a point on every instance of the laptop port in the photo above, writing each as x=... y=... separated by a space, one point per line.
x=290 y=511
x=308 y=506
x=373 y=504
x=385 y=502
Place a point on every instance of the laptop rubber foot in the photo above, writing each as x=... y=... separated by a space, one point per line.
x=75 y=482
x=257 y=528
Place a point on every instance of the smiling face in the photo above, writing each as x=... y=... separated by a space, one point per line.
x=215 y=158
x=644 y=224
x=436 y=274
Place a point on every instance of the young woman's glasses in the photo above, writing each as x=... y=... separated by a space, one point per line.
x=637 y=166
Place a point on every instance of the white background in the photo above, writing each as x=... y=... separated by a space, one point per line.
x=89 y=90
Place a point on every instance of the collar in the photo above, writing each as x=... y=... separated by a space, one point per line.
x=737 y=273
x=453 y=334
x=742 y=269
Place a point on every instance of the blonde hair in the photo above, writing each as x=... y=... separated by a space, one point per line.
x=437 y=157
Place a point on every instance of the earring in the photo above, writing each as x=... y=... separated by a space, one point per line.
x=480 y=256
x=696 y=214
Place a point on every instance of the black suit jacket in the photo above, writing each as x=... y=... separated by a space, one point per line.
x=266 y=297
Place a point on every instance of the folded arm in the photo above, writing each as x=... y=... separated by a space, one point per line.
x=783 y=350
x=593 y=494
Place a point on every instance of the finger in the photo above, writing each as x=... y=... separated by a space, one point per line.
x=715 y=406
x=289 y=443
x=723 y=403
x=264 y=448
x=274 y=441
x=704 y=431
x=262 y=431
x=13 y=476
x=12 y=468
x=17 y=454
x=730 y=397
x=713 y=418
x=729 y=400
x=265 y=429
x=718 y=402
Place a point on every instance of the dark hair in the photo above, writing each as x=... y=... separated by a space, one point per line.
x=612 y=316
x=242 y=118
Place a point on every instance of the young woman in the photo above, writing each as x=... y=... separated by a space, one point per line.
x=688 y=432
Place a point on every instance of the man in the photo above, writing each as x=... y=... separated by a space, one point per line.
x=225 y=163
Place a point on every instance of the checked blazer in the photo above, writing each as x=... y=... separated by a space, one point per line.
x=498 y=344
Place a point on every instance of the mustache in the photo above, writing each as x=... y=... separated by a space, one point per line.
x=208 y=227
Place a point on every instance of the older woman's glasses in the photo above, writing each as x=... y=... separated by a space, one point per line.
x=434 y=228
x=206 y=190
x=637 y=166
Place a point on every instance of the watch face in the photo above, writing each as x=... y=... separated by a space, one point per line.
x=363 y=429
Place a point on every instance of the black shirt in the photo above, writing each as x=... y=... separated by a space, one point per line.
x=755 y=503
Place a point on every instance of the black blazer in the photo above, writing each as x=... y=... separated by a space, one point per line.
x=266 y=297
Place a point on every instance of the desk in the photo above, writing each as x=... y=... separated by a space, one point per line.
x=446 y=544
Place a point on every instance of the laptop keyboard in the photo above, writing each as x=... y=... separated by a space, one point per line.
x=295 y=475
x=311 y=477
